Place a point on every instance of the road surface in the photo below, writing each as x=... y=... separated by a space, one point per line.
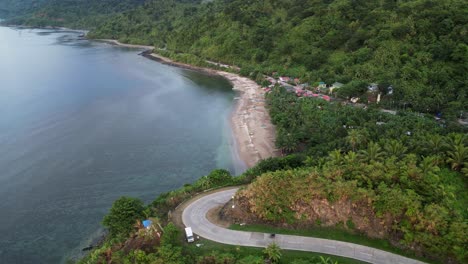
x=194 y=215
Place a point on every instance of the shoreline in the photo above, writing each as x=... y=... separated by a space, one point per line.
x=252 y=131
x=251 y=126
x=117 y=43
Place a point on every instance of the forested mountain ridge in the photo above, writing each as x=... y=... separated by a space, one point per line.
x=9 y=8
x=69 y=13
x=417 y=46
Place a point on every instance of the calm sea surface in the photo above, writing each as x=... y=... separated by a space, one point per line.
x=83 y=123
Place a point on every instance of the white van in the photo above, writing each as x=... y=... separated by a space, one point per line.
x=189 y=234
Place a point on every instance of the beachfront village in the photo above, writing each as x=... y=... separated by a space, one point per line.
x=326 y=91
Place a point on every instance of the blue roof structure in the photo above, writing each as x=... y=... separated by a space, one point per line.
x=147 y=223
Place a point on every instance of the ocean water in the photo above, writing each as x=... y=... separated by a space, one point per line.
x=83 y=123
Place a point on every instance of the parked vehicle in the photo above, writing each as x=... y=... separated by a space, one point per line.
x=189 y=234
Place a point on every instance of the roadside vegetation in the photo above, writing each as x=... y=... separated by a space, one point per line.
x=129 y=242
x=397 y=177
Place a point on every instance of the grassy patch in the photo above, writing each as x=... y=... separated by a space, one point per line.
x=334 y=234
x=288 y=256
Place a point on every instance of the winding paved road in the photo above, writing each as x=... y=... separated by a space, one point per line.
x=194 y=215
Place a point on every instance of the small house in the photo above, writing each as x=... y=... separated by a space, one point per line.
x=335 y=85
x=322 y=85
x=373 y=87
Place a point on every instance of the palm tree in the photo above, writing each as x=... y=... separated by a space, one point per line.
x=457 y=157
x=336 y=157
x=286 y=141
x=356 y=138
x=458 y=153
x=351 y=158
x=395 y=148
x=457 y=139
x=273 y=253
x=326 y=261
x=435 y=144
x=465 y=169
x=428 y=165
x=372 y=153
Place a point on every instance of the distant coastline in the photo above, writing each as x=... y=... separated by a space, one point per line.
x=253 y=132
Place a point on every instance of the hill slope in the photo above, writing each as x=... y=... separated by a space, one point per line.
x=69 y=13
x=417 y=46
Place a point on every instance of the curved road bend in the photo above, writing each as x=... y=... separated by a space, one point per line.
x=194 y=215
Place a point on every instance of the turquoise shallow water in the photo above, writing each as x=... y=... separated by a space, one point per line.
x=83 y=123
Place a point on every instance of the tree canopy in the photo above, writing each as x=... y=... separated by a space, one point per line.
x=123 y=215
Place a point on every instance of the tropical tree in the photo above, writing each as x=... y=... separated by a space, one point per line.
x=435 y=144
x=171 y=235
x=122 y=216
x=465 y=169
x=335 y=157
x=373 y=152
x=273 y=253
x=327 y=261
x=356 y=138
x=168 y=254
x=394 y=148
x=287 y=141
x=429 y=165
x=457 y=157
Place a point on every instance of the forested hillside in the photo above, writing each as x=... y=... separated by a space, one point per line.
x=69 y=13
x=9 y=8
x=417 y=46
x=399 y=177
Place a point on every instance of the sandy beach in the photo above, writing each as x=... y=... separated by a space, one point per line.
x=253 y=131
x=251 y=124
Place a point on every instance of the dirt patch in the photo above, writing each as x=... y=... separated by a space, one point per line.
x=213 y=216
x=237 y=215
x=318 y=212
